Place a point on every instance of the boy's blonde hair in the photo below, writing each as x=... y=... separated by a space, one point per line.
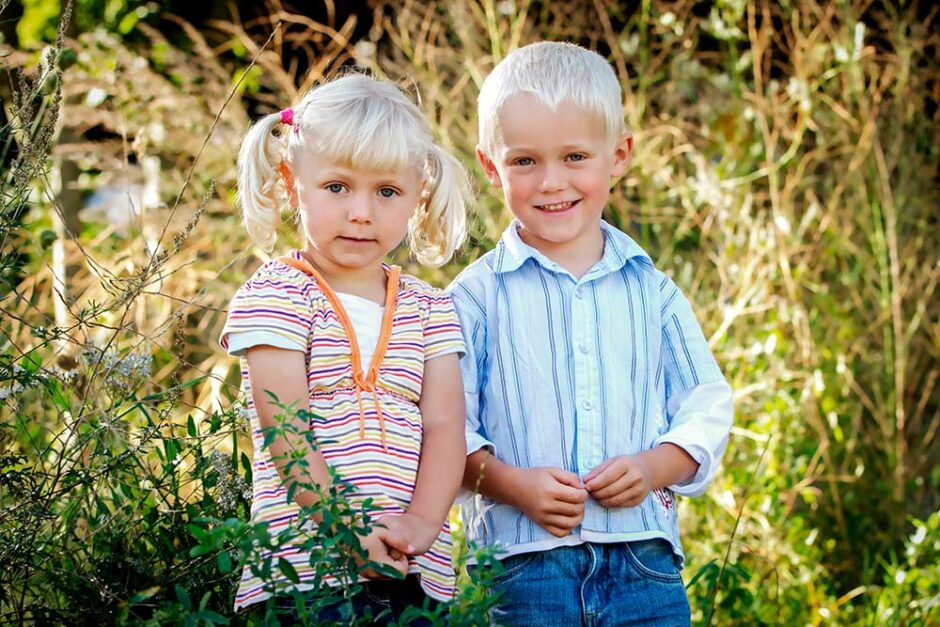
x=554 y=72
x=356 y=122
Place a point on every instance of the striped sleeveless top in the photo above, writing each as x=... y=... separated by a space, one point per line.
x=368 y=425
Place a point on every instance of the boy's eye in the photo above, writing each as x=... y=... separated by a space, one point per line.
x=388 y=192
x=523 y=161
x=335 y=188
x=577 y=156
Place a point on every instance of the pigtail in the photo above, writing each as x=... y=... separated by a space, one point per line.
x=261 y=190
x=439 y=225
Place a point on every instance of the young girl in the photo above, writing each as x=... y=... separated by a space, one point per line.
x=330 y=327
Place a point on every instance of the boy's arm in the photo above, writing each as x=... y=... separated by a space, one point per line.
x=698 y=416
x=700 y=421
x=442 y=448
x=552 y=497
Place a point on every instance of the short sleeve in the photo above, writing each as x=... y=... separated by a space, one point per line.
x=442 y=334
x=272 y=308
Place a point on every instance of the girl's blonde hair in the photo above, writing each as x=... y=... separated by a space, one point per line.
x=355 y=122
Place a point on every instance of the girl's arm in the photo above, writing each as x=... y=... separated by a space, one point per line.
x=443 y=450
x=284 y=373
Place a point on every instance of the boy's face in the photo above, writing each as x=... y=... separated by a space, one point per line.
x=555 y=170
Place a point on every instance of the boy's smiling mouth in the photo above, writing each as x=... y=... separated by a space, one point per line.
x=557 y=206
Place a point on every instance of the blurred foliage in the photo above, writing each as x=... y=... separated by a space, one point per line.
x=785 y=174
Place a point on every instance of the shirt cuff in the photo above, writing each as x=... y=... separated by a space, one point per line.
x=706 y=464
x=700 y=422
x=475 y=442
x=240 y=341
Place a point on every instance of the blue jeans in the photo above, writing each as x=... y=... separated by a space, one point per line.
x=624 y=583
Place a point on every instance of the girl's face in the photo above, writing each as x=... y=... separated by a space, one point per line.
x=351 y=217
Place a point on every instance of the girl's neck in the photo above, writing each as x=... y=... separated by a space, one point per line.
x=366 y=282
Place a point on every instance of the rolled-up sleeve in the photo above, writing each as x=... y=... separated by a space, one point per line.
x=699 y=423
x=699 y=401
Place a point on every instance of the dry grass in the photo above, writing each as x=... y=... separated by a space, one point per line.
x=785 y=174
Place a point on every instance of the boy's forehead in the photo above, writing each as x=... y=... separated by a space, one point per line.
x=524 y=116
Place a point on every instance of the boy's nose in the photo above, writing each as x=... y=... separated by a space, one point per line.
x=552 y=179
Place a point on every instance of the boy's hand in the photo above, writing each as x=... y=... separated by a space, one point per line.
x=622 y=481
x=376 y=543
x=553 y=498
x=408 y=534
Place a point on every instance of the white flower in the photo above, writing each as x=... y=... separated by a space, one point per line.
x=95 y=96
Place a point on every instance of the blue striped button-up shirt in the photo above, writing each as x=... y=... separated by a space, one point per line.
x=568 y=372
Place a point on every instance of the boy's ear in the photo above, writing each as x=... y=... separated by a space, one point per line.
x=622 y=151
x=489 y=168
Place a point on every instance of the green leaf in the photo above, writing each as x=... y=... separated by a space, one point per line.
x=290 y=572
x=224 y=561
x=191 y=427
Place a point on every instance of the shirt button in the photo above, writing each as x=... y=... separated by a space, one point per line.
x=587 y=404
x=583 y=348
x=579 y=293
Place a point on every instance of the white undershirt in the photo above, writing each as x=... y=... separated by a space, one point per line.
x=365 y=316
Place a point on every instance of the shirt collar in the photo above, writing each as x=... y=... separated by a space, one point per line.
x=619 y=248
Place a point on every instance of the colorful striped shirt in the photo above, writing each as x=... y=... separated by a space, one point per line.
x=371 y=438
x=567 y=373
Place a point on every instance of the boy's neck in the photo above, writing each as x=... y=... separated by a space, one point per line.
x=576 y=256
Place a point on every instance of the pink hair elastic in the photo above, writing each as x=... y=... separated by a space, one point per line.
x=287 y=116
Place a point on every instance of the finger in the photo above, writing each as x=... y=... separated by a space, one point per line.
x=568 y=494
x=598 y=469
x=397 y=540
x=558 y=532
x=629 y=498
x=566 y=477
x=563 y=508
x=563 y=522
x=606 y=476
x=621 y=485
x=401 y=565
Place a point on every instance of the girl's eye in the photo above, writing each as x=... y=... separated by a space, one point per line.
x=388 y=192
x=335 y=188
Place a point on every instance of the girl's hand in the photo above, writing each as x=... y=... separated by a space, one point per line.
x=409 y=534
x=622 y=481
x=552 y=497
x=380 y=553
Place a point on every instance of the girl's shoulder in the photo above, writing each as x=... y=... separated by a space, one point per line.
x=276 y=273
x=409 y=284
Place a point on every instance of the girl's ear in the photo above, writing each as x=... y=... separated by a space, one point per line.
x=489 y=168
x=622 y=151
x=289 y=185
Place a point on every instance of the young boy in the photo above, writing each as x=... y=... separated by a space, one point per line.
x=592 y=395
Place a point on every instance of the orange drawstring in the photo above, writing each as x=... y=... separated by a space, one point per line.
x=366 y=386
x=369 y=383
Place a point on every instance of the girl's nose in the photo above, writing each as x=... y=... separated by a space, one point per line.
x=360 y=210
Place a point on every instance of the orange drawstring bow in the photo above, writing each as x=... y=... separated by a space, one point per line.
x=370 y=382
